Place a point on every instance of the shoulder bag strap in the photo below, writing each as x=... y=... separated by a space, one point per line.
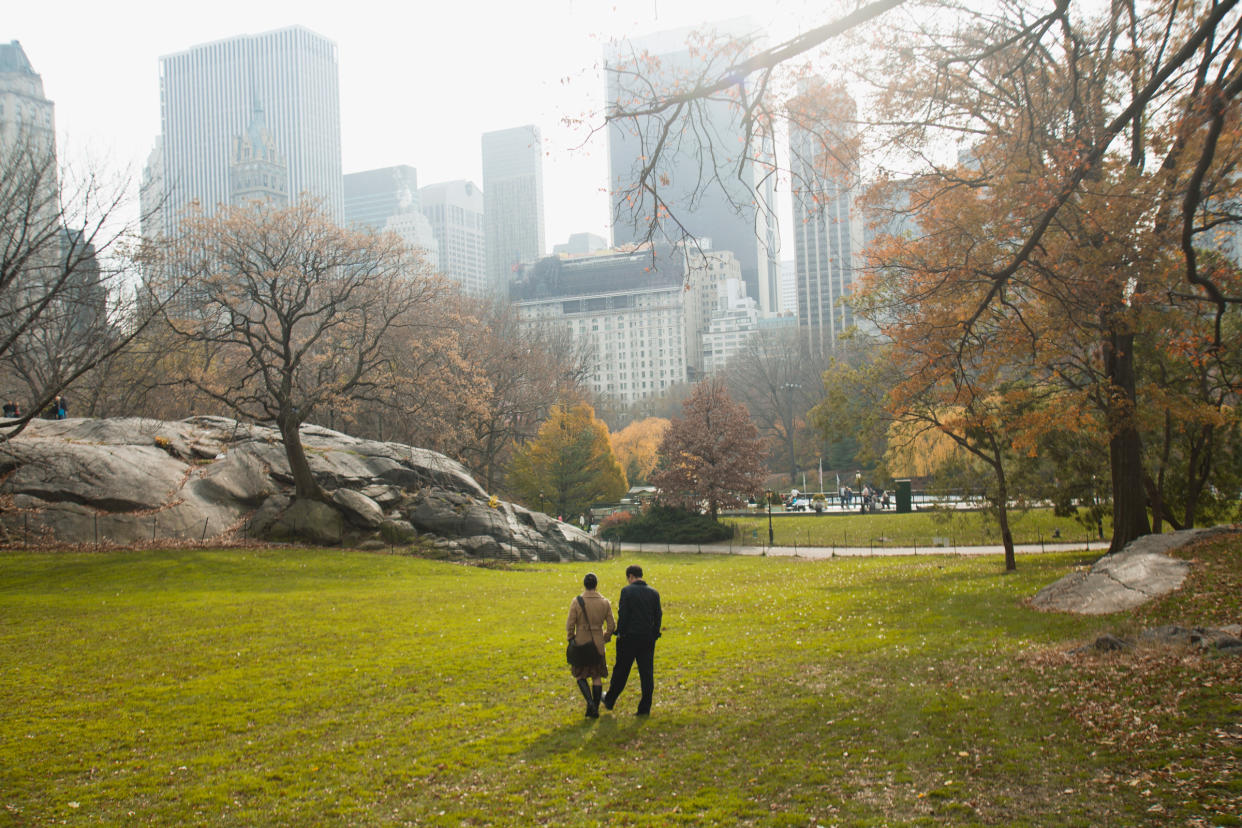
x=585 y=618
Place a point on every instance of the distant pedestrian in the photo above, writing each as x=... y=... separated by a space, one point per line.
x=590 y=620
x=639 y=619
x=11 y=410
x=60 y=408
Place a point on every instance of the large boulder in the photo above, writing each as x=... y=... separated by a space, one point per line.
x=136 y=480
x=1124 y=579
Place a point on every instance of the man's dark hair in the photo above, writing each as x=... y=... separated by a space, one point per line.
x=590 y=580
x=635 y=570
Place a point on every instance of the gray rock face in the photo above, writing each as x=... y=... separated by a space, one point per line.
x=359 y=508
x=1124 y=579
x=135 y=480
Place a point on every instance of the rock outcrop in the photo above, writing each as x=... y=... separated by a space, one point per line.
x=1124 y=579
x=1208 y=639
x=132 y=480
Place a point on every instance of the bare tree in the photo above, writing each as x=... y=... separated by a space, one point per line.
x=527 y=369
x=778 y=384
x=666 y=109
x=68 y=264
x=292 y=314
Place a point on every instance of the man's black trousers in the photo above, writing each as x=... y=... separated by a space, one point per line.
x=630 y=652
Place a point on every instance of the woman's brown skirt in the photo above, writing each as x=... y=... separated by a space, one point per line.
x=597 y=670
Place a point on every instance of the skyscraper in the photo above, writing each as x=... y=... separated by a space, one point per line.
x=25 y=114
x=512 y=201
x=27 y=142
x=828 y=231
x=209 y=95
x=714 y=191
x=54 y=293
x=455 y=210
x=372 y=196
x=386 y=200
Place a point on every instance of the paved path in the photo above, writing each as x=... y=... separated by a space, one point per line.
x=1095 y=547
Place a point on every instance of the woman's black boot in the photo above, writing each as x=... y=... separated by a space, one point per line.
x=596 y=692
x=585 y=687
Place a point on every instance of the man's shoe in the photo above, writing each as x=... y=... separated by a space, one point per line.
x=608 y=702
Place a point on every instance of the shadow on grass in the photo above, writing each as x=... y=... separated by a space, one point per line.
x=611 y=731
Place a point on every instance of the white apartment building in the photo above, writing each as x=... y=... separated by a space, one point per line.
x=734 y=320
x=629 y=307
x=708 y=272
x=415 y=231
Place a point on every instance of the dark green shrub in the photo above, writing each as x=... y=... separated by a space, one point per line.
x=667 y=524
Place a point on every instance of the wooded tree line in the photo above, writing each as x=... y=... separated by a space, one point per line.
x=1051 y=292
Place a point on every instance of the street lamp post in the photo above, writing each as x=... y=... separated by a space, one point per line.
x=768 y=496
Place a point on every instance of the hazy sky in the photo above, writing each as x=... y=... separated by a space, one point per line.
x=420 y=81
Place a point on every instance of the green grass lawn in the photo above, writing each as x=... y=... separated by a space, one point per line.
x=922 y=529
x=313 y=687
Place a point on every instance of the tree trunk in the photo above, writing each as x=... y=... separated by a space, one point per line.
x=304 y=482
x=793 y=458
x=1124 y=445
x=1160 y=513
x=1198 y=469
x=1002 y=516
x=1155 y=489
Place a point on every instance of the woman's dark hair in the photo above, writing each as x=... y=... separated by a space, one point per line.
x=590 y=580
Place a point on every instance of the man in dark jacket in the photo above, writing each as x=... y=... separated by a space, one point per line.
x=639 y=618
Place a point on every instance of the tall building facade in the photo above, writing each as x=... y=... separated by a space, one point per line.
x=707 y=274
x=455 y=211
x=208 y=96
x=512 y=202
x=723 y=206
x=789 y=286
x=386 y=200
x=25 y=112
x=828 y=229
x=257 y=170
x=371 y=196
x=27 y=137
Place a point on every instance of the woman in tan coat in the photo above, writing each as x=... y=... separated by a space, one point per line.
x=594 y=624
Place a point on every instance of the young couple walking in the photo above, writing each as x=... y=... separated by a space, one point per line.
x=637 y=627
